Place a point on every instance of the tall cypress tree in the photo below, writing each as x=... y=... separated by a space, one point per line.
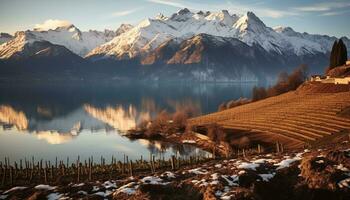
x=343 y=54
x=339 y=54
x=332 y=61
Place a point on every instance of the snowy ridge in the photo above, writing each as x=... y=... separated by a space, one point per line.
x=150 y=33
x=69 y=36
x=4 y=37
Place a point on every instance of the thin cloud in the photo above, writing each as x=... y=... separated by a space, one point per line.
x=124 y=12
x=170 y=3
x=334 y=13
x=319 y=7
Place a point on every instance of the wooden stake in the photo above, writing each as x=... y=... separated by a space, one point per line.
x=130 y=168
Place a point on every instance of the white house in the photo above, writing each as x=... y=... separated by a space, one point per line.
x=347 y=62
x=345 y=80
x=328 y=79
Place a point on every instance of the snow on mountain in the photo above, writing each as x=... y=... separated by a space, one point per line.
x=4 y=37
x=150 y=33
x=123 y=28
x=324 y=41
x=25 y=45
x=70 y=36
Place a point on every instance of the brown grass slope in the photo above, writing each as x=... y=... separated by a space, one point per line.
x=294 y=118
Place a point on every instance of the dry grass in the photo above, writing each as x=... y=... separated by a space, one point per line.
x=295 y=118
x=166 y=123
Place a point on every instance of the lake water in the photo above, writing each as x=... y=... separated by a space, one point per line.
x=49 y=120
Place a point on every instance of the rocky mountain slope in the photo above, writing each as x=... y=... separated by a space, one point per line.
x=202 y=46
x=248 y=28
x=4 y=37
x=71 y=37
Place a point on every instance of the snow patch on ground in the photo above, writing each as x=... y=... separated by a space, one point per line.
x=82 y=192
x=128 y=189
x=246 y=165
x=168 y=174
x=14 y=189
x=198 y=171
x=103 y=194
x=44 y=187
x=344 y=183
x=267 y=177
x=54 y=196
x=109 y=185
x=231 y=179
x=342 y=168
x=3 y=196
x=288 y=161
x=153 y=180
x=78 y=185
x=189 y=141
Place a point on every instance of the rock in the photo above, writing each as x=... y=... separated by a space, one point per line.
x=248 y=178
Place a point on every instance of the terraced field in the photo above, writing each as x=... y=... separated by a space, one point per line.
x=293 y=117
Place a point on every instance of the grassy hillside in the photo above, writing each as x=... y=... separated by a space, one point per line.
x=294 y=118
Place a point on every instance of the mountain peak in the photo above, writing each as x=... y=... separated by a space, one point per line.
x=123 y=28
x=160 y=16
x=183 y=11
x=182 y=15
x=250 y=22
x=54 y=24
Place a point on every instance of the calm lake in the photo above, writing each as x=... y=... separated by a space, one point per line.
x=48 y=120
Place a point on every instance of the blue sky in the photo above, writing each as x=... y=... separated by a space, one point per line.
x=323 y=17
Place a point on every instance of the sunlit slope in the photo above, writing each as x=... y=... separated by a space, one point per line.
x=300 y=118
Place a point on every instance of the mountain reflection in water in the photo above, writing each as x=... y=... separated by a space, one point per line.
x=88 y=119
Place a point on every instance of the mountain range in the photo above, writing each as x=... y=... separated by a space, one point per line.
x=201 y=46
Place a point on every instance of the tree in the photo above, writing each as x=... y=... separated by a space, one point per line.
x=332 y=61
x=339 y=54
x=343 y=55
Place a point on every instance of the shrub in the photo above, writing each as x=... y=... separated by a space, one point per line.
x=285 y=83
x=222 y=107
x=238 y=102
x=259 y=93
x=216 y=133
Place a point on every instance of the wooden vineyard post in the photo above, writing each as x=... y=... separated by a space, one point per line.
x=78 y=169
x=11 y=175
x=45 y=173
x=130 y=168
x=259 y=149
x=51 y=172
x=172 y=160
x=282 y=148
x=90 y=170
x=214 y=153
x=277 y=147
x=4 y=174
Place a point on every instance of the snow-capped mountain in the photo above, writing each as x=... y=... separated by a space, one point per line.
x=123 y=28
x=205 y=53
x=150 y=33
x=26 y=50
x=26 y=45
x=4 y=37
x=324 y=41
x=214 y=46
x=72 y=38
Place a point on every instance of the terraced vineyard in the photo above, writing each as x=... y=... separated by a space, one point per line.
x=293 y=117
